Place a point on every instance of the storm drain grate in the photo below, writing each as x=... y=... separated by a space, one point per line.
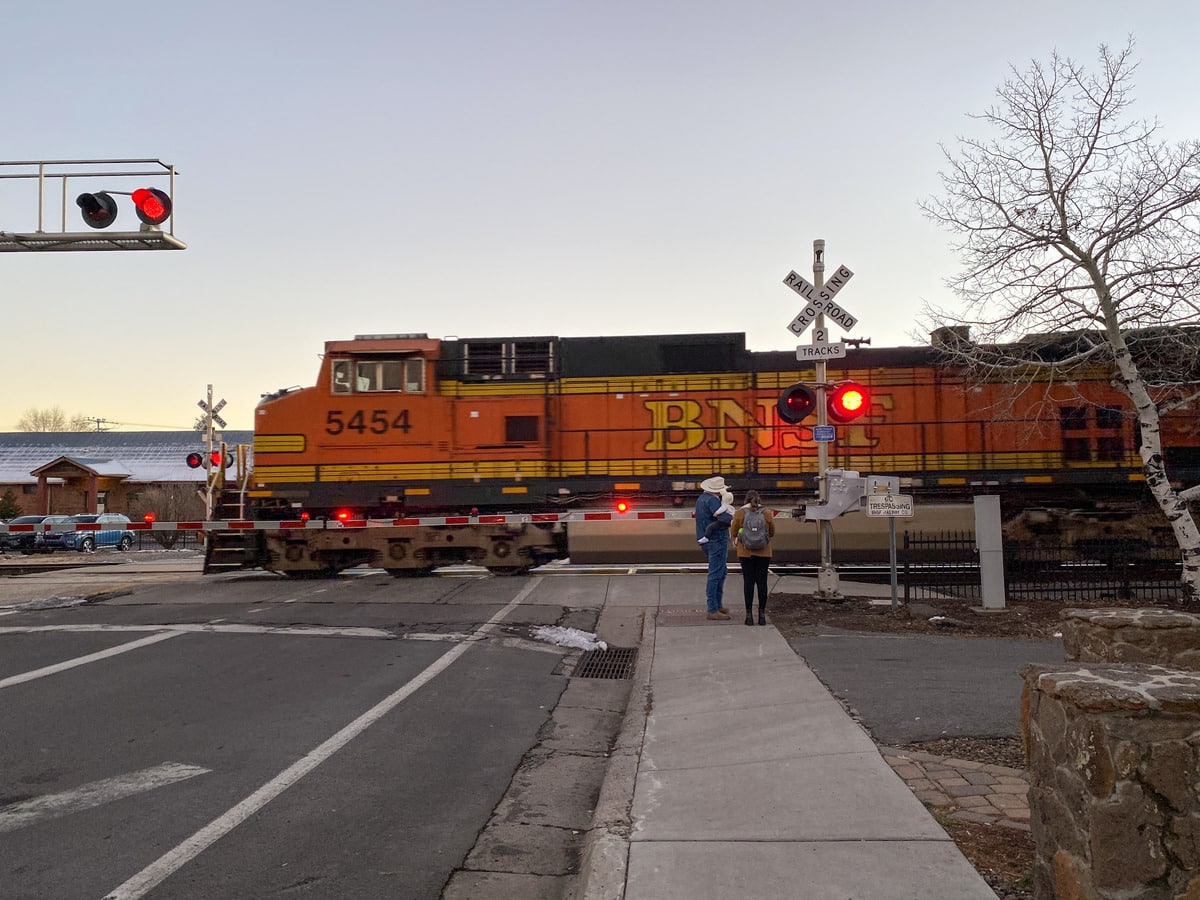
x=615 y=662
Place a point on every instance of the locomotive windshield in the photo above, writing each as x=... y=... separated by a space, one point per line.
x=359 y=376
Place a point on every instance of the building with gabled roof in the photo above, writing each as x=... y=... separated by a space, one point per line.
x=68 y=472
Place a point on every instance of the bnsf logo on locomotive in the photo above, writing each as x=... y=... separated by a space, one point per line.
x=719 y=422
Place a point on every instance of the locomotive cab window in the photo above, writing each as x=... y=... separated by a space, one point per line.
x=378 y=375
x=341 y=376
x=414 y=376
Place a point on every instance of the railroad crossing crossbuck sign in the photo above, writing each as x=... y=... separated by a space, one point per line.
x=216 y=409
x=820 y=302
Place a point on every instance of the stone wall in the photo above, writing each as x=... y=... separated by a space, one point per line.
x=1158 y=636
x=1114 y=770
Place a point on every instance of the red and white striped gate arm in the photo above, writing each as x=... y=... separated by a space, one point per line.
x=577 y=515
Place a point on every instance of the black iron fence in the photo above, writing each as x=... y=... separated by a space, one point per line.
x=168 y=540
x=938 y=564
x=946 y=564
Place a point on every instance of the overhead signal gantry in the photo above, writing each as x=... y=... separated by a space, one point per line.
x=97 y=182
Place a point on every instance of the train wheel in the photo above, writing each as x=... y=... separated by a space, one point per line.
x=422 y=572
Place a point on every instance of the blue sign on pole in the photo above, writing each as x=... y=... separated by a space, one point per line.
x=823 y=434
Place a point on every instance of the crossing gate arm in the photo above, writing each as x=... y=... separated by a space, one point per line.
x=577 y=515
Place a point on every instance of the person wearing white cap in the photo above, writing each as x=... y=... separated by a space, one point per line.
x=717 y=546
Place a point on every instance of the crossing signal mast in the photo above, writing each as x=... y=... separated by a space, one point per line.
x=838 y=403
x=216 y=457
x=100 y=205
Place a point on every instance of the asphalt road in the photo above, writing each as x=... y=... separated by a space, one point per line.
x=907 y=688
x=259 y=737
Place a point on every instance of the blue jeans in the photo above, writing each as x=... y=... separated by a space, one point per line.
x=714 y=589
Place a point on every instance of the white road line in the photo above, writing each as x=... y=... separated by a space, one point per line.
x=208 y=628
x=173 y=860
x=90 y=658
x=52 y=806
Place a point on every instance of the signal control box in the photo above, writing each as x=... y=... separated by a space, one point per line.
x=844 y=491
x=847 y=491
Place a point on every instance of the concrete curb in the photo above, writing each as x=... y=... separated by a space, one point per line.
x=605 y=857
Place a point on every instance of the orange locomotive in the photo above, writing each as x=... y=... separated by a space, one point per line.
x=405 y=425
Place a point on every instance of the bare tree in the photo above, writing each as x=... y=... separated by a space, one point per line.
x=52 y=419
x=1076 y=222
x=168 y=503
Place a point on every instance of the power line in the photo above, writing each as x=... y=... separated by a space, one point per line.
x=146 y=425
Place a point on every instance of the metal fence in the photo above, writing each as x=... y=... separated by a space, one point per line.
x=936 y=565
x=946 y=564
x=168 y=540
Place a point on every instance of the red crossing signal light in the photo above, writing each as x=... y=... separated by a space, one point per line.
x=848 y=401
x=797 y=403
x=153 y=206
x=622 y=506
x=195 y=460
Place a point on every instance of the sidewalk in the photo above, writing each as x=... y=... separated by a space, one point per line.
x=737 y=773
x=72 y=575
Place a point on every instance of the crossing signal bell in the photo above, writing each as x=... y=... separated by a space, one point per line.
x=797 y=403
x=848 y=401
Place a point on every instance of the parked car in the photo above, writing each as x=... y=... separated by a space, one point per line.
x=21 y=540
x=112 y=530
x=49 y=534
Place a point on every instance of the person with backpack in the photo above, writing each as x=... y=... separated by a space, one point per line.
x=753 y=528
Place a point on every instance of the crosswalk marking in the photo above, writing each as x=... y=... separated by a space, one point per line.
x=84 y=660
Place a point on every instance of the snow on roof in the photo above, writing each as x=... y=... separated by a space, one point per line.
x=142 y=456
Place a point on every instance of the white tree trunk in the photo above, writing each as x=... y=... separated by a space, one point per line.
x=1175 y=508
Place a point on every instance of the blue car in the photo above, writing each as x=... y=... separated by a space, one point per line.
x=49 y=533
x=112 y=530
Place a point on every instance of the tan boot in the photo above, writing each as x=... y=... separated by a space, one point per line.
x=718 y=616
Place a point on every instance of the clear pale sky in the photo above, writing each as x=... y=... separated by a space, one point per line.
x=492 y=169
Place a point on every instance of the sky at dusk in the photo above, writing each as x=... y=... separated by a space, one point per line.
x=487 y=169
